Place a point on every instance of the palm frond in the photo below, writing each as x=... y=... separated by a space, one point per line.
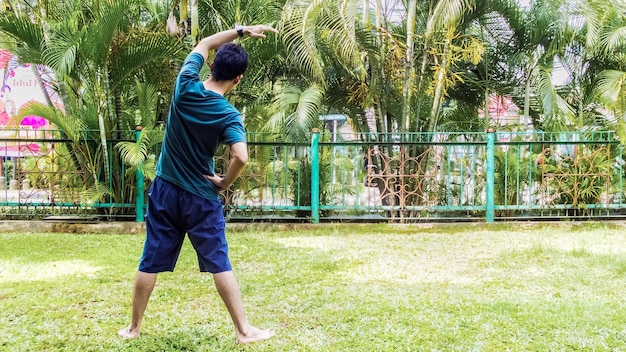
x=299 y=33
x=102 y=31
x=275 y=124
x=448 y=14
x=609 y=85
x=61 y=50
x=616 y=41
x=592 y=11
x=297 y=111
x=87 y=113
x=154 y=13
x=71 y=126
x=217 y=15
x=147 y=98
x=341 y=35
x=556 y=110
x=306 y=115
x=147 y=169
x=621 y=131
x=96 y=193
x=135 y=153
x=58 y=11
x=27 y=35
x=139 y=50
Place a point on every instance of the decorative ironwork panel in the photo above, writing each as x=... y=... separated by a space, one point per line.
x=43 y=174
x=37 y=175
x=404 y=179
x=575 y=175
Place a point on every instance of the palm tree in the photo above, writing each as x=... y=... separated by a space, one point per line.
x=97 y=51
x=139 y=155
x=605 y=46
x=539 y=40
x=296 y=111
x=441 y=32
x=376 y=59
x=355 y=64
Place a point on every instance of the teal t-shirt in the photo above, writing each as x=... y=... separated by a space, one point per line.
x=198 y=121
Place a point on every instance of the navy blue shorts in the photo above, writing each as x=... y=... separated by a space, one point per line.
x=174 y=212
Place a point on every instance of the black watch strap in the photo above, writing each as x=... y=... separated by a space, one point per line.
x=239 y=29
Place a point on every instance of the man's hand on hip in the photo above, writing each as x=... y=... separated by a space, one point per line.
x=218 y=181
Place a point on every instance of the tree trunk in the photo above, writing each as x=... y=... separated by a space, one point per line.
x=378 y=15
x=408 y=68
x=527 y=98
x=486 y=109
x=117 y=112
x=194 y=21
x=102 y=126
x=420 y=79
x=366 y=13
x=184 y=15
x=623 y=99
x=43 y=89
x=420 y=83
x=434 y=112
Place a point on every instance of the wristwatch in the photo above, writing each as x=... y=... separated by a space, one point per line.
x=239 y=29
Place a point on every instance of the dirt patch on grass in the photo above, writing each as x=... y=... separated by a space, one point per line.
x=463 y=257
x=18 y=271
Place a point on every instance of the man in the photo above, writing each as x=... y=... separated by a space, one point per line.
x=184 y=196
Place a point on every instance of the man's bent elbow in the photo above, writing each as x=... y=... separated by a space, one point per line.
x=240 y=158
x=239 y=151
x=243 y=159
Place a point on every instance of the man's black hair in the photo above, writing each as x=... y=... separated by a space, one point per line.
x=231 y=60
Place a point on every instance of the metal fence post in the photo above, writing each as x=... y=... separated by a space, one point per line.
x=315 y=176
x=490 y=177
x=139 y=199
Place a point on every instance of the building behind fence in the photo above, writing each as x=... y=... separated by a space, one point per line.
x=409 y=177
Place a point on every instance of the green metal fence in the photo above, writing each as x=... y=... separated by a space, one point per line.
x=43 y=173
x=490 y=176
x=410 y=177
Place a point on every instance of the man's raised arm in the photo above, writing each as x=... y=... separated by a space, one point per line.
x=214 y=41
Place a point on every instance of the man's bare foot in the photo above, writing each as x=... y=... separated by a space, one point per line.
x=128 y=333
x=254 y=335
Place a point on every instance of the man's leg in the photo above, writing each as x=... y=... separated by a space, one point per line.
x=144 y=284
x=227 y=286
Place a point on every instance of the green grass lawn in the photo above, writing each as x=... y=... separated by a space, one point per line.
x=514 y=287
